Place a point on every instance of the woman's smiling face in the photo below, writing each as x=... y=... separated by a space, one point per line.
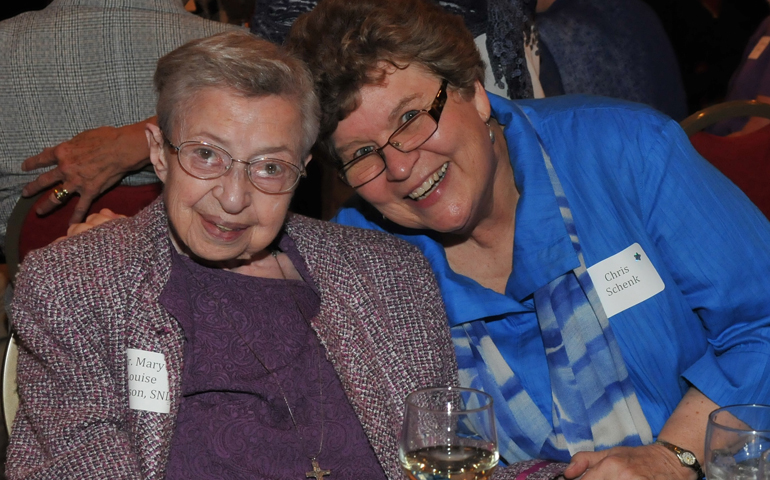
x=227 y=218
x=445 y=185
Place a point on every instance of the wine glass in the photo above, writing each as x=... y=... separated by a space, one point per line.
x=449 y=434
x=738 y=443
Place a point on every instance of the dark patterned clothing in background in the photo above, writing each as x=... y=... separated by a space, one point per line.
x=233 y=421
x=272 y=19
x=614 y=48
x=507 y=23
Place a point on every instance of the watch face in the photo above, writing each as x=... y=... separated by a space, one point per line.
x=688 y=458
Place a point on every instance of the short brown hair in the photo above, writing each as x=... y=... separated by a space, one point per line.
x=239 y=61
x=343 y=41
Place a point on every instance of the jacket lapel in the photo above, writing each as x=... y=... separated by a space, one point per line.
x=379 y=355
x=151 y=328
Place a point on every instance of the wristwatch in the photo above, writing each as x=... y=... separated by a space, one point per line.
x=686 y=457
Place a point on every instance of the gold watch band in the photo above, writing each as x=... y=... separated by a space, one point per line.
x=686 y=458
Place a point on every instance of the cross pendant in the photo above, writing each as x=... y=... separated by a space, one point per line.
x=317 y=473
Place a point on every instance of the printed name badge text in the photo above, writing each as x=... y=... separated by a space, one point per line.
x=625 y=279
x=147 y=381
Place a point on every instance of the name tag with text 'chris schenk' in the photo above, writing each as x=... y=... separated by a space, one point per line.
x=625 y=279
x=147 y=381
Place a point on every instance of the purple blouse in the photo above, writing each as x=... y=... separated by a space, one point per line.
x=233 y=420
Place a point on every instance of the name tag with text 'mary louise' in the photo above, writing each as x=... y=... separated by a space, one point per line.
x=625 y=279
x=147 y=381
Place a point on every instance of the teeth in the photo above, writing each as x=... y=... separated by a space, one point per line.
x=428 y=186
x=224 y=229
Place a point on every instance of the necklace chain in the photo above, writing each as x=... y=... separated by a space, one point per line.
x=317 y=472
x=318 y=365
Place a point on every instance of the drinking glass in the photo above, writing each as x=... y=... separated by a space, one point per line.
x=449 y=434
x=738 y=443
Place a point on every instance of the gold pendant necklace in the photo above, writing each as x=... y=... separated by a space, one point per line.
x=318 y=473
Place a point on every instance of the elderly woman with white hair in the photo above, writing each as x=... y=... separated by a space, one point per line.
x=214 y=335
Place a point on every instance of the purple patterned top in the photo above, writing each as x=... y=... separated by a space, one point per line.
x=233 y=421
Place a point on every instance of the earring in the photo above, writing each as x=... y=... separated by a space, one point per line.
x=491 y=133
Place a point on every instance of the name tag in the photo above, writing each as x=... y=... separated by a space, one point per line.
x=147 y=381
x=759 y=48
x=625 y=279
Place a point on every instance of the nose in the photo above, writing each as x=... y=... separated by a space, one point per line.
x=234 y=189
x=398 y=165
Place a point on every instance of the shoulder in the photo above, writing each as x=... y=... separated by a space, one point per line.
x=13 y=28
x=572 y=108
x=338 y=242
x=151 y=15
x=107 y=254
x=598 y=124
x=337 y=236
x=596 y=143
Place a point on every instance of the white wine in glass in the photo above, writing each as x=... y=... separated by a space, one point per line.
x=449 y=434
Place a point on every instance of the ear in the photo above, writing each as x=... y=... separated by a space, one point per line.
x=158 y=155
x=307 y=160
x=481 y=101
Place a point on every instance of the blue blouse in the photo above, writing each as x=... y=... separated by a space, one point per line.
x=630 y=176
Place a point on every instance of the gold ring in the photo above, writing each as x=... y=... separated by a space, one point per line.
x=61 y=195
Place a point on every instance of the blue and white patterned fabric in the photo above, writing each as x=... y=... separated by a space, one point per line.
x=594 y=403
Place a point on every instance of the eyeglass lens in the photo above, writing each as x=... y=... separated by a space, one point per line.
x=207 y=162
x=408 y=137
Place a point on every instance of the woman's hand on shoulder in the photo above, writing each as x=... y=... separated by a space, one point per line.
x=88 y=164
x=104 y=215
x=650 y=462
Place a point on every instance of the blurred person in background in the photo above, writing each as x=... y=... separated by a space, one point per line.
x=709 y=38
x=74 y=66
x=751 y=81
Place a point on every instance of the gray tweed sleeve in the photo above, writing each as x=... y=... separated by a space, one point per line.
x=69 y=419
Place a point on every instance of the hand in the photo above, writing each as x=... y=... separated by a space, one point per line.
x=104 y=215
x=88 y=164
x=650 y=462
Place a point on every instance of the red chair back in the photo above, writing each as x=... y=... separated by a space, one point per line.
x=39 y=231
x=744 y=159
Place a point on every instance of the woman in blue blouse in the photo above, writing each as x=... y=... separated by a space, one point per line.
x=604 y=283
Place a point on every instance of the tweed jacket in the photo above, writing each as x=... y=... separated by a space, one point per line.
x=77 y=65
x=381 y=320
x=79 y=304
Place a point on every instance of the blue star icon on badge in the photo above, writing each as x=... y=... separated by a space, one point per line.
x=637 y=256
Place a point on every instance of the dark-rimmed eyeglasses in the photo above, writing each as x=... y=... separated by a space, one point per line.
x=205 y=161
x=411 y=135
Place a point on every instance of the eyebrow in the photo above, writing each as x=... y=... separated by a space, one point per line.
x=217 y=142
x=276 y=149
x=400 y=106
